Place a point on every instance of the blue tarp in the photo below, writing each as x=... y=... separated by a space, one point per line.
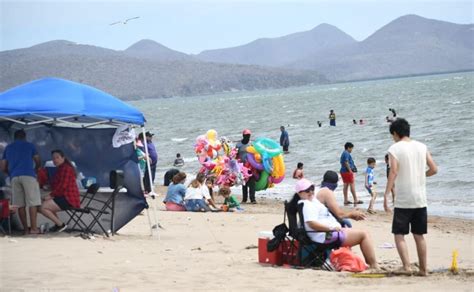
x=54 y=97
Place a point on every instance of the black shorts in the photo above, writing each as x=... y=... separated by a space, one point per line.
x=62 y=203
x=404 y=219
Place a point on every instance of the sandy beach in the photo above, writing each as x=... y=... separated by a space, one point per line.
x=214 y=252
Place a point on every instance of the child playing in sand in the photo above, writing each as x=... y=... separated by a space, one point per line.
x=230 y=201
x=369 y=183
x=298 y=173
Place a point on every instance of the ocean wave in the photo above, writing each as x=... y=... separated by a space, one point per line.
x=178 y=139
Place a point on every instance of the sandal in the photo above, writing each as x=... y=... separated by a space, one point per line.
x=359 y=202
x=348 y=203
x=371 y=211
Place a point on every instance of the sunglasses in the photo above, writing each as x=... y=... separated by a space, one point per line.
x=310 y=189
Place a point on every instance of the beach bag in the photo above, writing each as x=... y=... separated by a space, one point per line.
x=279 y=233
x=343 y=259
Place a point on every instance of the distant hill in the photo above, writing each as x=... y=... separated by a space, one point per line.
x=149 y=49
x=282 y=50
x=408 y=45
x=133 y=77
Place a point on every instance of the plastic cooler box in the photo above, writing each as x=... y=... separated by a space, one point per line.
x=285 y=254
x=265 y=257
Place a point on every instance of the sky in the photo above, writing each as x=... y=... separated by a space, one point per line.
x=194 y=26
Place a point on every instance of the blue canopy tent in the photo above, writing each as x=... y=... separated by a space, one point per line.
x=80 y=120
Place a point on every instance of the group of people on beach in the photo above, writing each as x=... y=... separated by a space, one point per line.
x=22 y=163
x=198 y=196
x=409 y=163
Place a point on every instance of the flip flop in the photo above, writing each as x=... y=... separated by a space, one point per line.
x=359 y=202
x=348 y=203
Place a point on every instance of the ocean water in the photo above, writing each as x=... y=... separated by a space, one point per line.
x=440 y=109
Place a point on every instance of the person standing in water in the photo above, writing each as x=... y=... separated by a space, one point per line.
x=248 y=189
x=332 y=118
x=284 y=140
x=348 y=170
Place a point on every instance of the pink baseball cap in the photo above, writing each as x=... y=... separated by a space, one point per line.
x=303 y=184
x=246 y=132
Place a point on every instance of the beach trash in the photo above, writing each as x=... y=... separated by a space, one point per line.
x=454 y=263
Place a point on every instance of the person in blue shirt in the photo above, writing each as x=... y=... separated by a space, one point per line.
x=153 y=155
x=284 y=139
x=348 y=170
x=369 y=183
x=174 y=199
x=20 y=160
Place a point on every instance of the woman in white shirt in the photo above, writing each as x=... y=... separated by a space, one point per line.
x=323 y=228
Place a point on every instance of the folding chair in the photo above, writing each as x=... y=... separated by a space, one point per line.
x=75 y=214
x=116 y=182
x=309 y=253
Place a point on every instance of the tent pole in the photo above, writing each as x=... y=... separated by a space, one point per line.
x=153 y=195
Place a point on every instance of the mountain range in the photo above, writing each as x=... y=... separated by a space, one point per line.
x=409 y=45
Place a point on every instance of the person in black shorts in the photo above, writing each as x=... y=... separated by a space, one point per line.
x=408 y=160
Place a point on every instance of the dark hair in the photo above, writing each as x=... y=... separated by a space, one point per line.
x=401 y=127
x=201 y=177
x=330 y=177
x=348 y=145
x=19 y=135
x=299 y=165
x=293 y=203
x=179 y=177
x=224 y=190
x=178 y=155
x=386 y=156
x=61 y=153
x=370 y=160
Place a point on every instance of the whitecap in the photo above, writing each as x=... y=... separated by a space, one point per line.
x=178 y=139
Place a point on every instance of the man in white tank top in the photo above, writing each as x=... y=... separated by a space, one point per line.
x=408 y=160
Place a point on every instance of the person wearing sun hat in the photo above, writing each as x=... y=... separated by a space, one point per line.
x=323 y=227
x=248 y=189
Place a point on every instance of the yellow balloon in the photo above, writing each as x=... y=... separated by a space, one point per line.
x=211 y=136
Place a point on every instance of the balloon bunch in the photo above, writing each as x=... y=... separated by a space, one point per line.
x=266 y=159
x=226 y=168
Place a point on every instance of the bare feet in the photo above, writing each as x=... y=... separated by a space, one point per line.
x=34 y=231
x=403 y=272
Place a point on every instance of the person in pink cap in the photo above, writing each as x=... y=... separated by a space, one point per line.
x=248 y=189
x=323 y=227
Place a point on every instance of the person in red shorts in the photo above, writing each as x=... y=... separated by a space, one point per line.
x=348 y=169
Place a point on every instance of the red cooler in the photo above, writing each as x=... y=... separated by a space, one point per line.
x=265 y=257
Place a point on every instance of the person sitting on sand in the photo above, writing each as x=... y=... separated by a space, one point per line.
x=176 y=192
x=64 y=194
x=194 y=198
x=207 y=188
x=323 y=227
x=230 y=201
x=210 y=181
x=298 y=172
